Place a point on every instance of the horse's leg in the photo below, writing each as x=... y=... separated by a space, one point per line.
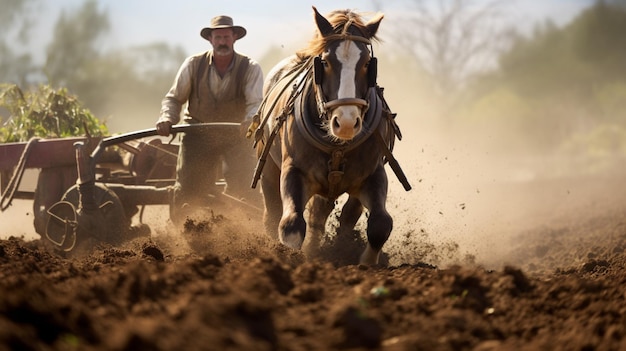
x=292 y=226
x=319 y=209
x=271 y=197
x=350 y=214
x=379 y=224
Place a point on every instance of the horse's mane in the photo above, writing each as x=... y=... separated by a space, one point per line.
x=338 y=19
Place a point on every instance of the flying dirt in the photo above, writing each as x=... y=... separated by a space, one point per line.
x=519 y=265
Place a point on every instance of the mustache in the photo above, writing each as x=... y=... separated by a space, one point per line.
x=223 y=47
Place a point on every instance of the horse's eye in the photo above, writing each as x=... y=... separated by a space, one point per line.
x=365 y=66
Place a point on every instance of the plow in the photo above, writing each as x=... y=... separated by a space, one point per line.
x=97 y=188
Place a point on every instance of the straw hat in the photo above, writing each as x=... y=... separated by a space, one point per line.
x=222 y=22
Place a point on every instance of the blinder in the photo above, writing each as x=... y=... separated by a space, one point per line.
x=372 y=71
x=318 y=70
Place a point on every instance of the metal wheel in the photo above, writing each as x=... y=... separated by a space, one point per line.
x=71 y=223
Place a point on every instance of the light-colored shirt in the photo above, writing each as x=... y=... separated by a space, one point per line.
x=179 y=93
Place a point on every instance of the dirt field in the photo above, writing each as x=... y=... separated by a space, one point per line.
x=549 y=276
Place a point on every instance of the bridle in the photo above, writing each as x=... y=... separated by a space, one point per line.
x=318 y=68
x=299 y=76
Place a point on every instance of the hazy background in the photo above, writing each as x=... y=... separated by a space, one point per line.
x=489 y=94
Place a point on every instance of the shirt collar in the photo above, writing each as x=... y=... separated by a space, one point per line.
x=232 y=62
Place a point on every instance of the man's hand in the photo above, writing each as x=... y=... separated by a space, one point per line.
x=251 y=128
x=164 y=128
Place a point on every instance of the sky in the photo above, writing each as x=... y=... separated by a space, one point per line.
x=281 y=23
x=269 y=23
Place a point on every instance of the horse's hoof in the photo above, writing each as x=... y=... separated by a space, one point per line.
x=369 y=257
x=294 y=241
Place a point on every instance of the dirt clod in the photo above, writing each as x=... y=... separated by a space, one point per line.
x=557 y=284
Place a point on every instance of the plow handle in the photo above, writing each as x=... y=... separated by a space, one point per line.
x=177 y=128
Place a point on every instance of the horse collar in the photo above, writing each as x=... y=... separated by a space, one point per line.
x=311 y=131
x=317 y=137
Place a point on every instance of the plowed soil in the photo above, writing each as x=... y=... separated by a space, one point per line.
x=550 y=275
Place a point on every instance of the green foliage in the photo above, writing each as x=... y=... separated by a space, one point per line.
x=121 y=84
x=45 y=113
x=599 y=40
x=75 y=45
x=611 y=101
x=11 y=9
x=558 y=86
x=488 y=108
x=16 y=21
x=600 y=149
x=125 y=84
x=573 y=60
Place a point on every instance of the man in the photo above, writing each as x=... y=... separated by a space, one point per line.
x=218 y=85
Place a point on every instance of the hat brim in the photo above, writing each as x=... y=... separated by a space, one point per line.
x=239 y=31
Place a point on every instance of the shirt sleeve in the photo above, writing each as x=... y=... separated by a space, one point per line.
x=178 y=95
x=253 y=90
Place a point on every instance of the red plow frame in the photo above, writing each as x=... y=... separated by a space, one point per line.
x=87 y=190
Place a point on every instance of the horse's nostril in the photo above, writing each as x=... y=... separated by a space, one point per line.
x=336 y=122
x=357 y=124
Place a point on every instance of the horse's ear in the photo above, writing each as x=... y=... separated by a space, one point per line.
x=372 y=25
x=323 y=25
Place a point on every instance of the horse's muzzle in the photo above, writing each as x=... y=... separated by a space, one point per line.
x=346 y=117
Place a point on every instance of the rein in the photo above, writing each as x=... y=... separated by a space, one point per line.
x=308 y=129
x=311 y=133
x=315 y=137
x=322 y=105
x=287 y=110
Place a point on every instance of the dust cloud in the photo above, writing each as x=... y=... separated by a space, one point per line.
x=470 y=199
x=475 y=199
x=468 y=204
x=17 y=219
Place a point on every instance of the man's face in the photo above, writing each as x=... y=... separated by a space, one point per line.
x=222 y=41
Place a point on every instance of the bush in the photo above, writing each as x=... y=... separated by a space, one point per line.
x=45 y=113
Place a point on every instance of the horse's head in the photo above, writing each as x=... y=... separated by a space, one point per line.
x=344 y=70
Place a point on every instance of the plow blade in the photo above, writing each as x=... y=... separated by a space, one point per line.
x=62 y=225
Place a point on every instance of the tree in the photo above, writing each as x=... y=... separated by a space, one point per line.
x=453 y=39
x=15 y=23
x=572 y=62
x=599 y=40
x=75 y=45
x=132 y=83
x=123 y=86
x=560 y=91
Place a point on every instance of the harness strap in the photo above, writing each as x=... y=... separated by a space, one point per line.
x=335 y=172
x=279 y=121
x=266 y=148
x=346 y=36
x=260 y=124
x=395 y=166
x=309 y=130
x=336 y=162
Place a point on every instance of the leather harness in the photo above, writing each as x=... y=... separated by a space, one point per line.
x=375 y=105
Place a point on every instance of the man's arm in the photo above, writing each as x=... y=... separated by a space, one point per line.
x=253 y=90
x=176 y=97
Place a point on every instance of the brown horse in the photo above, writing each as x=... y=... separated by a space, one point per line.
x=327 y=130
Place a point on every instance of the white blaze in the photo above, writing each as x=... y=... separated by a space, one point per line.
x=348 y=54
